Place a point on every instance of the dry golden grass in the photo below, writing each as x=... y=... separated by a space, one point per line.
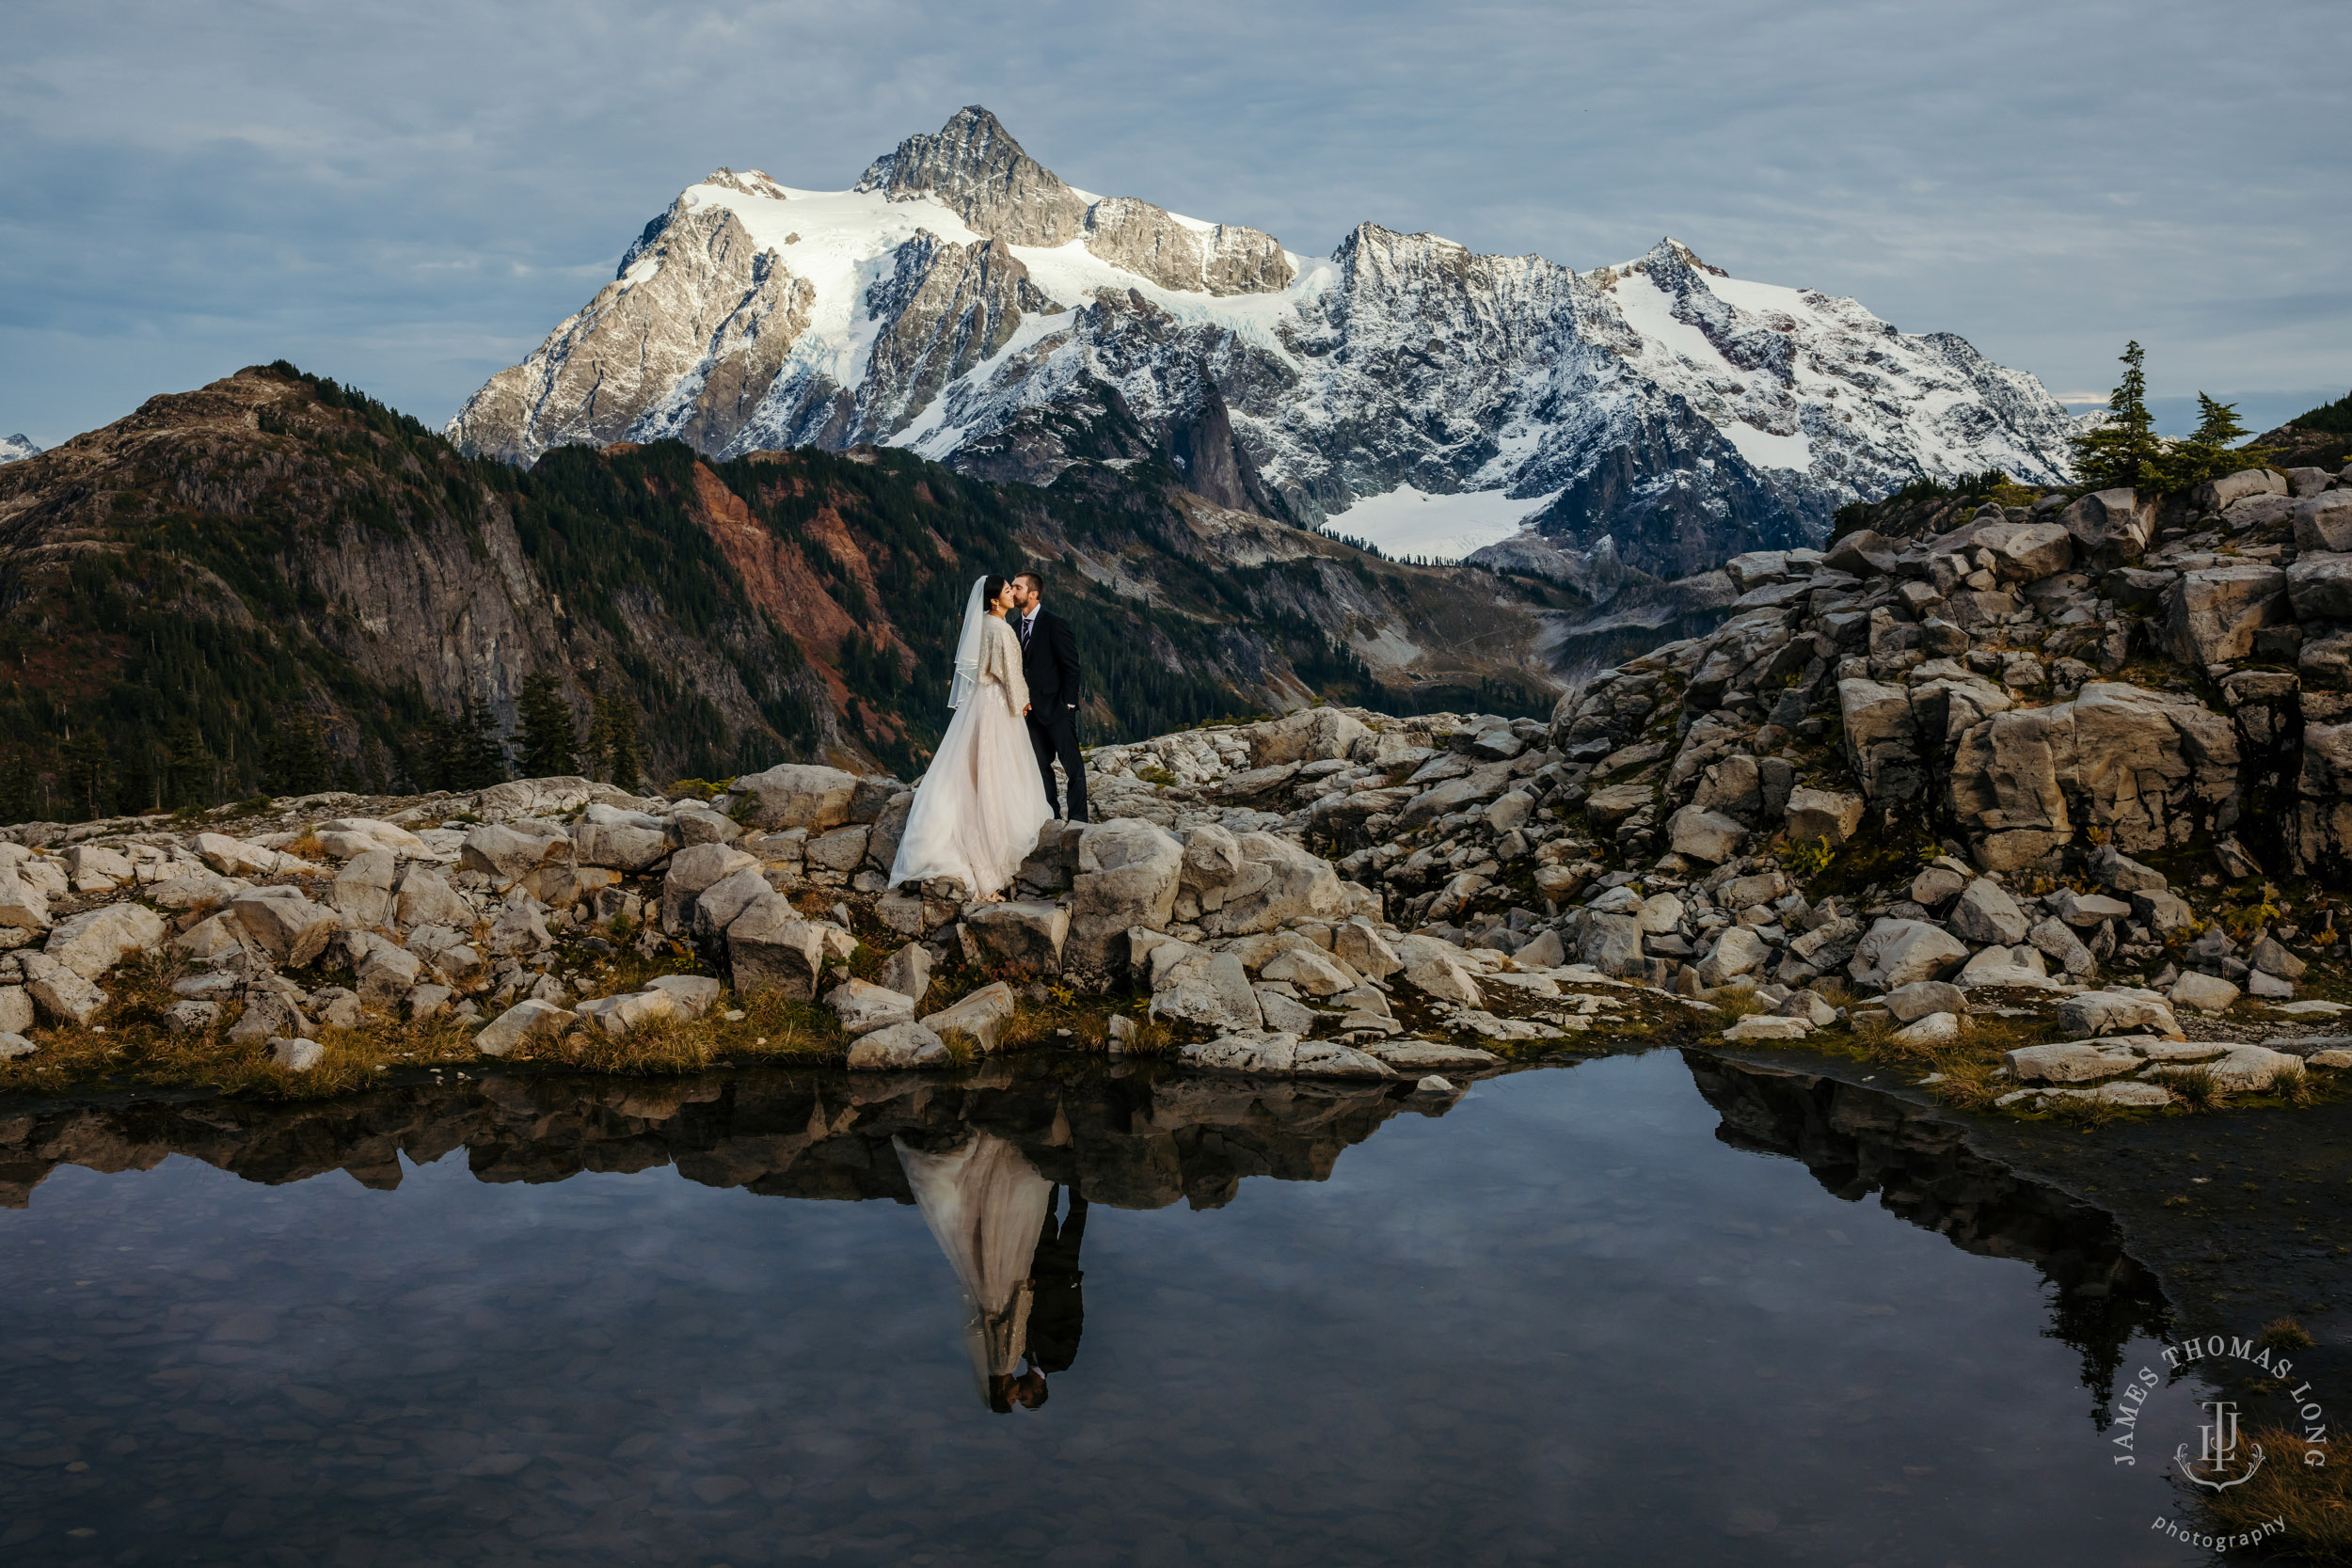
x=1735 y=1002
x=2314 y=1502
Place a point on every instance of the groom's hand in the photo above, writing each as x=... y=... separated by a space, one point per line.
x=1024 y=711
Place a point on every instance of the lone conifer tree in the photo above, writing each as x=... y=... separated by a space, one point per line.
x=613 y=741
x=2217 y=423
x=2125 y=449
x=548 y=745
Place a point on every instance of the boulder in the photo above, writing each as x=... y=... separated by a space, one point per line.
x=97 y=869
x=2150 y=768
x=234 y=857
x=2319 y=584
x=16 y=1010
x=1612 y=943
x=1823 y=814
x=1986 y=913
x=521 y=927
x=770 y=947
x=2058 y=942
x=2162 y=910
x=1606 y=808
x=60 y=994
x=2110 y=528
x=982 y=1015
x=2217 y=495
x=1127 y=876
x=296 y=1056
x=2111 y=1012
x=362 y=893
x=1922 y=997
x=2028 y=552
x=692 y=870
x=717 y=906
x=2244 y=1069
x=1445 y=979
x=1759 y=1027
x=695 y=994
x=1031 y=935
x=95 y=942
x=385 y=974
x=701 y=825
x=1738 y=951
x=900 y=1048
x=425 y=899
x=1211 y=988
x=1659 y=913
x=1311 y=971
x=2324 y=522
x=1276 y=1053
x=1929 y=1029
x=2269 y=957
x=630 y=841
x=2207 y=993
x=842 y=849
x=628 y=1013
x=346 y=837
x=881 y=839
x=864 y=1008
x=1704 y=835
x=794 y=795
x=1896 y=952
x=1362 y=948
x=1937 y=886
x=1997 y=965
x=23 y=906
x=1311 y=735
x=448 y=951
x=525 y=1022
x=1297 y=884
x=2070 y=1062
x=1416 y=1055
x=909 y=971
x=2212 y=614
x=506 y=852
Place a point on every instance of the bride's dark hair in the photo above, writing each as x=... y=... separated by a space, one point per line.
x=991 y=590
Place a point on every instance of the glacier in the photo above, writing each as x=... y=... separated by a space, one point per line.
x=963 y=301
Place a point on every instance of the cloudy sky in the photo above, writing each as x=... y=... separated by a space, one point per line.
x=408 y=195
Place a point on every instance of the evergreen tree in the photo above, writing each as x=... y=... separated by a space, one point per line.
x=19 y=791
x=548 y=746
x=190 y=768
x=612 y=743
x=2217 y=423
x=478 y=753
x=298 y=760
x=86 y=775
x=2125 y=450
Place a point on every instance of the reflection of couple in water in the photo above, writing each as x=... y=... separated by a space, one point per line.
x=994 y=1216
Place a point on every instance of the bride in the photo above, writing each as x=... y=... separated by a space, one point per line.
x=978 y=809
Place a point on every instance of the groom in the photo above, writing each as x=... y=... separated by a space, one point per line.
x=1049 y=661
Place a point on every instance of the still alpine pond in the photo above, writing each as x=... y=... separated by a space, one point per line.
x=1663 y=1310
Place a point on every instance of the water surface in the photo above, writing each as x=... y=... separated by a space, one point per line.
x=1652 y=1309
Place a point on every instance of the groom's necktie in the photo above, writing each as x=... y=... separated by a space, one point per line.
x=1027 y=621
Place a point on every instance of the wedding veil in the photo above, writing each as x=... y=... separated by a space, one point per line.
x=967 y=675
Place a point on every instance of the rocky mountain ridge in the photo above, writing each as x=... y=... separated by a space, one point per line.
x=962 y=300
x=275 y=583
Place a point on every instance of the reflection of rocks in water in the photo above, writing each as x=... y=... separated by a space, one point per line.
x=1136 y=1137
x=1857 y=1142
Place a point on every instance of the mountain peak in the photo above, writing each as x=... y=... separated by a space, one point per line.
x=16 y=448
x=975 y=169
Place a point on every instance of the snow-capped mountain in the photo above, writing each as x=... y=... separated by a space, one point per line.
x=14 y=448
x=963 y=301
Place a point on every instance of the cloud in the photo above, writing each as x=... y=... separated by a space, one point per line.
x=400 y=195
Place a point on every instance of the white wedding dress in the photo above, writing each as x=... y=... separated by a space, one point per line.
x=986 y=1206
x=977 y=811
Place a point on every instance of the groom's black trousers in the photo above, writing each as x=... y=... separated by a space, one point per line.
x=1058 y=737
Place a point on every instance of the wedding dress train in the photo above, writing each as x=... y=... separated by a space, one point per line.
x=977 y=811
x=986 y=1206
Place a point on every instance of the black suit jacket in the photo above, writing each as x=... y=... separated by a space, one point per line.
x=1050 y=665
